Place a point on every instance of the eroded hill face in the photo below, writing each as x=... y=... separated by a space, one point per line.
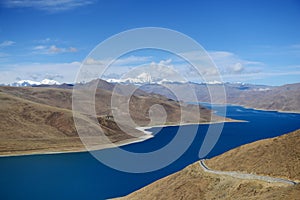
x=38 y=119
x=278 y=157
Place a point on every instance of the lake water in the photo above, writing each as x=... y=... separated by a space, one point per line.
x=81 y=176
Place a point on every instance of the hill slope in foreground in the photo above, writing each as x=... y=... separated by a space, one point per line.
x=40 y=120
x=277 y=157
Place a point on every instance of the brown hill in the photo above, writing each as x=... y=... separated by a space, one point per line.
x=193 y=183
x=281 y=98
x=28 y=127
x=277 y=157
x=140 y=102
x=39 y=119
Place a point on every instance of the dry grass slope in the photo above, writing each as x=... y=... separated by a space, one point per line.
x=28 y=127
x=278 y=157
x=193 y=183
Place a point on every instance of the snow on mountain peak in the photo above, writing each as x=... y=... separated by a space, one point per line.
x=143 y=78
x=213 y=82
x=49 y=82
x=24 y=83
x=140 y=79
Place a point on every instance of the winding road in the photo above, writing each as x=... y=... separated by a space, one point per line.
x=246 y=176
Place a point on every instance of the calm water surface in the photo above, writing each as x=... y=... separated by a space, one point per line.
x=81 y=176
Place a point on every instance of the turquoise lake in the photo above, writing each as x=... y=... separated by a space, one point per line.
x=80 y=176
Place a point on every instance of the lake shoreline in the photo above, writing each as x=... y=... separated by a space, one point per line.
x=142 y=138
x=82 y=150
x=254 y=108
x=186 y=124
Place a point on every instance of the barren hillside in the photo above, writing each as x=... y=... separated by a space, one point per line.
x=28 y=127
x=278 y=157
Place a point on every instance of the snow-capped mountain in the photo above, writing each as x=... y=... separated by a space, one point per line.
x=24 y=83
x=140 y=79
x=213 y=82
x=143 y=78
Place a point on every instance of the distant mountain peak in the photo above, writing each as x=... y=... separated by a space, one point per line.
x=26 y=83
x=143 y=78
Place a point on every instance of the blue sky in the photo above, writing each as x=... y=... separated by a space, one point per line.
x=255 y=41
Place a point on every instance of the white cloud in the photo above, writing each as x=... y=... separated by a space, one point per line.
x=116 y=68
x=92 y=61
x=62 y=72
x=133 y=66
x=221 y=54
x=226 y=63
x=54 y=76
x=39 y=47
x=7 y=43
x=165 y=62
x=229 y=63
x=52 y=46
x=53 y=49
x=236 y=68
x=48 y=5
x=162 y=70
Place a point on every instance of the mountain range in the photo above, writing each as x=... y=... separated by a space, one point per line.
x=280 y=98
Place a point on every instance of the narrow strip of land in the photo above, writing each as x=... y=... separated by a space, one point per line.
x=246 y=176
